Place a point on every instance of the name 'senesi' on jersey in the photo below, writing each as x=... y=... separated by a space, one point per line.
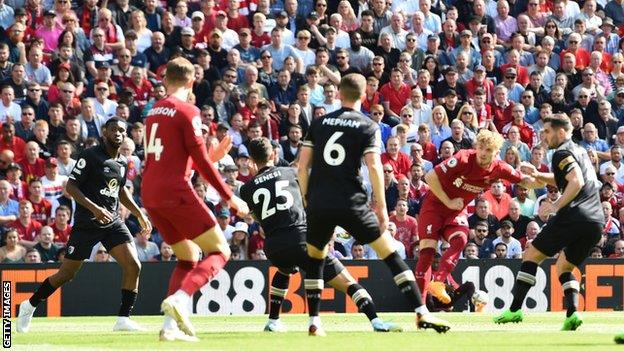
x=267 y=176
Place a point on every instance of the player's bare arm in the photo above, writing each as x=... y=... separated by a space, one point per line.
x=544 y=177
x=100 y=213
x=531 y=182
x=436 y=188
x=574 y=186
x=126 y=199
x=375 y=171
x=305 y=161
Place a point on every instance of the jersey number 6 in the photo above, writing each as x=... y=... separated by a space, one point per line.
x=334 y=148
x=280 y=190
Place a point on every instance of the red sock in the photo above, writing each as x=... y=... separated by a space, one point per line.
x=204 y=271
x=450 y=257
x=182 y=268
x=423 y=269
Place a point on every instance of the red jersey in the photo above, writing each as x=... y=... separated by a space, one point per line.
x=34 y=170
x=26 y=232
x=461 y=176
x=61 y=235
x=41 y=211
x=17 y=145
x=407 y=232
x=401 y=165
x=396 y=98
x=174 y=143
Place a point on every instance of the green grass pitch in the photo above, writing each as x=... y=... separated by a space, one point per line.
x=539 y=331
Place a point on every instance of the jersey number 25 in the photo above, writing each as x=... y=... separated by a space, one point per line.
x=280 y=190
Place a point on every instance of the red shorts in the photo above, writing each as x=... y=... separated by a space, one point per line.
x=186 y=221
x=436 y=223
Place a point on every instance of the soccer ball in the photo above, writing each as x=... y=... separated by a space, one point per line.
x=479 y=299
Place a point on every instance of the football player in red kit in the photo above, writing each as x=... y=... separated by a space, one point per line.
x=453 y=184
x=174 y=143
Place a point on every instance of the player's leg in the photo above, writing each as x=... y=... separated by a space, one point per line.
x=187 y=254
x=429 y=226
x=277 y=293
x=525 y=279
x=582 y=237
x=319 y=233
x=126 y=256
x=337 y=276
x=66 y=273
x=366 y=225
x=571 y=289
x=457 y=237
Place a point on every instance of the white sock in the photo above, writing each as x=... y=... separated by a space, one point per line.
x=422 y=309
x=28 y=306
x=273 y=320
x=376 y=320
x=170 y=323
x=315 y=320
x=122 y=319
x=182 y=295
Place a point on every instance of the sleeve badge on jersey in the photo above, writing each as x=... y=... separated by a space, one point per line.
x=565 y=162
x=197 y=126
x=81 y=163
x=452 y=162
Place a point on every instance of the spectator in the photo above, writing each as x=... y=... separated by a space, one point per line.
x=32 y=165
x=40 y=205
x=64 y=161
x=12 y=251
x=513 y=246
x=166 y=253
x=500 y=251
x=398 y=245
x=458 y=138
x=483 y=213
x=391 y=187
x=101 y=255
x=19 y=187
x=10 y=111
x=27 y=228
x=406 y=226
x=146 y=250
x=527 y=205
x=471 y=251
x=48 y=250
x=399 y=161
x=618 y=249
x=60 y=224
x=357 y=251
x=32 y=256
x=52 y=182
x=240 y=239
x=612 y=227
x=40 y=135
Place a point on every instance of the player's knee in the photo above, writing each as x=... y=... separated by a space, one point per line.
x=132 y=268
x=459 y=239
x=66 y=275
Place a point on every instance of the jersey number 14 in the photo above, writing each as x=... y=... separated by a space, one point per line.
x=280 y=190
x=154 y=146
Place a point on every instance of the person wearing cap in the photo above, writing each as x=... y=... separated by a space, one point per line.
x=288 y=37
x=230 y=37
x=248 y=53
x=514 y=89
x=14 y=177
x=514 y=248
x=479 y=81
x=466 y=46
x=617 y=102
x=52 y=183
x=450 y=81
x=231 y=175
x=49 y=31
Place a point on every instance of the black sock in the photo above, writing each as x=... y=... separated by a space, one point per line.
x=128 y=298
x=43 y=292
x=570 y=290
x=404 y=279
x=363 y=300
x=314 y=285
x=524 y=281
x=277 y=292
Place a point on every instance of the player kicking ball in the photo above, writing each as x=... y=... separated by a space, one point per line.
x=97 y=184
x=334 y=148
x=453 y=184
x=575 y=225
x=275 y=200
x=173 y=144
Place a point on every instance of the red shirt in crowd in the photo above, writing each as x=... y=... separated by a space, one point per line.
x=26 y=232
x=407 y=232
x=41 y=211
x=401 y=164
x=61 y=235
x=34 y=170
x=17 y=145
x=396 y=98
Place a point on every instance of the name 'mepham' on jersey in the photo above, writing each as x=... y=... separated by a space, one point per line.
x=340 y=140
x=461 y=175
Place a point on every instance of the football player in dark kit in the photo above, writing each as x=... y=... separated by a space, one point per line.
x=334 y=148
x=273 y=196
x=97 y=184
x=574 y=228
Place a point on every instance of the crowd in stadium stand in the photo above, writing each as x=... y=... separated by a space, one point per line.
x=437 y=72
